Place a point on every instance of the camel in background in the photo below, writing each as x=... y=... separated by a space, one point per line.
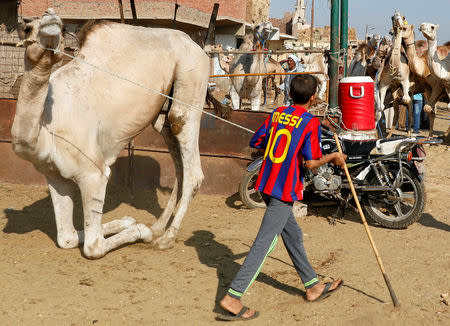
x=272 y=82
x=224 y=59
x=73 y=123
x=317 y=62
x=395 y=73
x=249 y=86
x=364 y=54
x=438 y=58
x=418 y=65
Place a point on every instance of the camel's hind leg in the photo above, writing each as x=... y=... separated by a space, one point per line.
x=159 y=227
x=93 y=188
x=185 y=129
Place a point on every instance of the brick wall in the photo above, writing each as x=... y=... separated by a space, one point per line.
x=144 y=8
x=284 y=24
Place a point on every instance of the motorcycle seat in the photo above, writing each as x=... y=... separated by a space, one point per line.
x=358 y=147
x=371 y=147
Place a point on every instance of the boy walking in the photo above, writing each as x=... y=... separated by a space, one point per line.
x=291 y=139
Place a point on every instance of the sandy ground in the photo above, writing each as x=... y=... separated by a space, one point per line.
x=136 y=285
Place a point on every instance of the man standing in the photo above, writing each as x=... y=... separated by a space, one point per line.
x=291 y=138
x=294 y=65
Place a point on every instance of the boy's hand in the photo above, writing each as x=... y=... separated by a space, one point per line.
x=339 y=159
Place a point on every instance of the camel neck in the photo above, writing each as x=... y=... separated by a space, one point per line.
x=30 y=106
x=436 y=65
x=396 y=51
x=416 y=64
x=432 y=45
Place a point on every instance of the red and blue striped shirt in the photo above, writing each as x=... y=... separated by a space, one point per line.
x=290 y=135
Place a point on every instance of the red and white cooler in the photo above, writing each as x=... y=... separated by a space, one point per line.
x=357 y=102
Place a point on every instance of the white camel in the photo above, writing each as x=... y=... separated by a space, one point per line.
x=438 y=59
x=72 y=124
x=316 y=62
x=249 y=86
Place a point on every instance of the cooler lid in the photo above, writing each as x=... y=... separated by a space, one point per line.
x=357 y=79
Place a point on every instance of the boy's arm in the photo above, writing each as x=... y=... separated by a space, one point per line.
x=336 y=158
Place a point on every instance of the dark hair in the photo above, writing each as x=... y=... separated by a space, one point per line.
x=302 y=88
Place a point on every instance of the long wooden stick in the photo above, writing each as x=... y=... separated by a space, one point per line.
x=363 y=218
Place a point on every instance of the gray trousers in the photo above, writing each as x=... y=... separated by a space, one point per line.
x=278 y=219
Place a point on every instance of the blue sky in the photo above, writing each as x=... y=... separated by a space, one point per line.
x=377 y=14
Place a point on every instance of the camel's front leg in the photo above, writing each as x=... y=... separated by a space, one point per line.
x=235 y=98
x=430 y=107
x=410 y=118
x=62 y=192
x=383 y=90
x=405 y=87
x=322 y=87
x=255 y=96
x=396 y=108
x=93 y=189
x=431 y=117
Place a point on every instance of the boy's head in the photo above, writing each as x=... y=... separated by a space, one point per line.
x=302 y=88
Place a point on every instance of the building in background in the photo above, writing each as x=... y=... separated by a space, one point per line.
x=295 y=24
x=192 y=16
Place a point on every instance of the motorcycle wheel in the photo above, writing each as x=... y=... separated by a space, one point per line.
x=249 y=195
x=399 y=208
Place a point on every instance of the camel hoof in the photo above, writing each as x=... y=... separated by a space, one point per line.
x=164 y=243
x=146 y=234
x=69 y=242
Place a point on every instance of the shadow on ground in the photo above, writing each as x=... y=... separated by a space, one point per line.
x=40 y=214
x=217 y=255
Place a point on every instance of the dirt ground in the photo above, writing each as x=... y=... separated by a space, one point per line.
x=136 y=285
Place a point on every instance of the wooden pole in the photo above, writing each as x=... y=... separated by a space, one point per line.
x=369 y=235
x=211 y=33
x=133 y=12
x=311 y=41
x=175 y=16
x=122 y=18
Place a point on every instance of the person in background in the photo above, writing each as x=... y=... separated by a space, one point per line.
x=295 y=65
x=417 y=110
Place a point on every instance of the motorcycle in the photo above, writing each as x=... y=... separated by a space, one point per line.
x=388 y=176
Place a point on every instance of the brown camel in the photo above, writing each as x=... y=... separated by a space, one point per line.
x=438 y=58
x=364 y=54
x=395 y=73
x=434 y=87
x=272 y=82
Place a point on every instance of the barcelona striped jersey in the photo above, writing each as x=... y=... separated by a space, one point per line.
x=290 y=136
